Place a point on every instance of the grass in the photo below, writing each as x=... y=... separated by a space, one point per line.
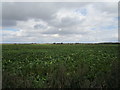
x=60 y=66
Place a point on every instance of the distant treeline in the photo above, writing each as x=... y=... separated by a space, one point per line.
x=89 y=43
x=110 y=43
x=68 y=43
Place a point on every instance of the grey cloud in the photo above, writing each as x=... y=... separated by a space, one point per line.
x=27 y=10
x=8 y=23
x=39 y=26
x=70 y=21
x=65 y=22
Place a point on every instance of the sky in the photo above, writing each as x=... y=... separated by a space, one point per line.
x=49 y=22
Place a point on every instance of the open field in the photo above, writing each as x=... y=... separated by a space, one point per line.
x=60 y=66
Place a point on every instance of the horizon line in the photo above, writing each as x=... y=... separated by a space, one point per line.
x=56 y=42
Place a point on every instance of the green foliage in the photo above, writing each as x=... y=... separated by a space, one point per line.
x=60 y=66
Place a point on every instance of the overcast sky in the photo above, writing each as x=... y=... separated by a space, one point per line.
x=48 y=22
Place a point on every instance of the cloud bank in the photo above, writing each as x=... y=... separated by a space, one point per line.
x=59 y=22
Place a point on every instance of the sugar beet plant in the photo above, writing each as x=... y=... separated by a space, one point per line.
x=60 y=66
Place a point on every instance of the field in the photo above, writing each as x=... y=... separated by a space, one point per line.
x=60 y=66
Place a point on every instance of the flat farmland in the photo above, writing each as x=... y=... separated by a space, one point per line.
x=60 y=66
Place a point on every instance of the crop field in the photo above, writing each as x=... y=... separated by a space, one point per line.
x=60 y=66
